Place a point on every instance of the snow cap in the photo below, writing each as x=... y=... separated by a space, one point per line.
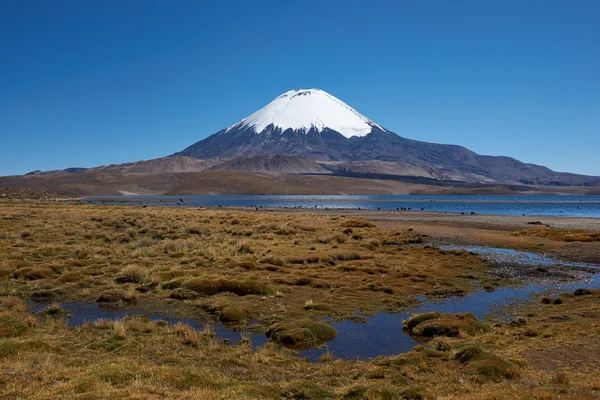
x=303 y=109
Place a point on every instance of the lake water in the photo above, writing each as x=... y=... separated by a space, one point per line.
x=540 y=205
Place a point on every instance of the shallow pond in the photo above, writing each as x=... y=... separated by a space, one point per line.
x=518 y=257
x=382 y=334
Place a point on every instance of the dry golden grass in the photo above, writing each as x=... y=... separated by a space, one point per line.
x=80 y=252
x=88 y=248
x=561 y=235
x=136 y=357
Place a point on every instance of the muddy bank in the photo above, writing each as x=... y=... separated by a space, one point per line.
x=530 y=268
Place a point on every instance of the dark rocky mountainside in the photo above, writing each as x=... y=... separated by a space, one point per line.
x=425 y=159
x=313 y=124
x=271 y=164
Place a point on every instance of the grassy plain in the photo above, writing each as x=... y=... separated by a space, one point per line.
x=276 y=270
x=273 y=264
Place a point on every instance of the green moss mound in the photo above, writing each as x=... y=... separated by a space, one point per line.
x=115 y=297
x=301 y=333
x=417 y=355
x=418 y=318
x=484 y=363
x=183 y=294
x=234 y=314
x=214 y=285
x=450 y=325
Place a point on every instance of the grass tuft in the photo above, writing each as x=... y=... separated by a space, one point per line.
x=133 y=274
x=301 y=333
x=219 y=284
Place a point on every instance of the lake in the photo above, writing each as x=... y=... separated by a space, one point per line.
x=539 y=205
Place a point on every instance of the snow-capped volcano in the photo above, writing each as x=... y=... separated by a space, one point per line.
x=306 y=109
x=312 y=132
x=313 y=124
x=304 y=122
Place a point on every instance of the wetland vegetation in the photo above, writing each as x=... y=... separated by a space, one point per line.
x=289 y=276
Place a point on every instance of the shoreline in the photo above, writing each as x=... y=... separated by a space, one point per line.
x=517 y=221
x=336 y=198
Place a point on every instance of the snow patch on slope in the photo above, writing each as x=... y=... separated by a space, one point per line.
x=303 y=109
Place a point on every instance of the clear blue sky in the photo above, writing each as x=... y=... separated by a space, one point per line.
x=88 y=83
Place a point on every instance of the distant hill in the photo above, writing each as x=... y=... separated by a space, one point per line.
x=12 y=193
x=159 y=165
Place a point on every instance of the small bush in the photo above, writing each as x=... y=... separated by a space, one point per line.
x=273 y=261
x=14 y=324
x=413 y=393
x=339 y=239
x=69 y=277
x=305 y=389
x=484 y=363
x=301 y=333
x=246 y=265
x=234 y=314
x=133 y=274
x=417 y=356
x=441 y=345
x=54 y=309
x=147 y=242
x=582 y=292
x=531 y=332
x=115 y=297
x=183 y=294
x=46 y=295
x=303 y=281
x=245 y=249
x=357 y=223
x=560 y=378
x=196 y=230
x=345 y=257
x=173 y=283
x=14 y=304
x=309 y=304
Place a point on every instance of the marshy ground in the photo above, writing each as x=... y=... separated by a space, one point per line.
x=282 y=274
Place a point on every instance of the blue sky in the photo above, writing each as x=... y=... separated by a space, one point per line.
x=88 y=83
